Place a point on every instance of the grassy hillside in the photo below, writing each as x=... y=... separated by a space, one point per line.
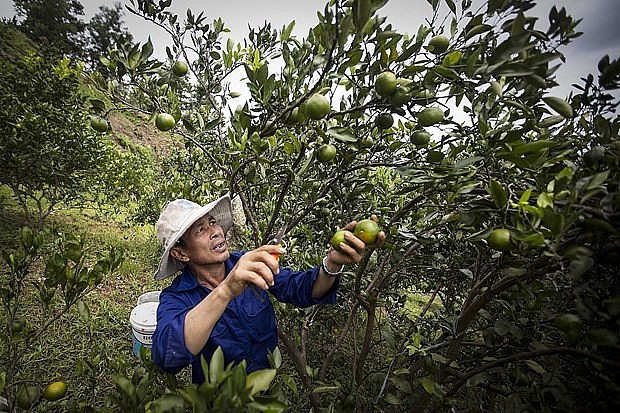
x=13 y=43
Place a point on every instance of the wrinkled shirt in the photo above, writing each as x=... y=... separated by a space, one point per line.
x=245 y=331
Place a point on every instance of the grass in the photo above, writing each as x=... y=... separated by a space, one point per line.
x=84 y=352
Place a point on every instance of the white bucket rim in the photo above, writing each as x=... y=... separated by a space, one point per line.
x=143 y=317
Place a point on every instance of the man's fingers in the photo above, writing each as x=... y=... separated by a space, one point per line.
x=350 y=226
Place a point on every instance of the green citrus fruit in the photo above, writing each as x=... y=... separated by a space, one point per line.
x=385 y=84
x=27 y=396
x=165 y=122
x=499 y=239
x=438 y=44
x=367 y=230
x=567 y=322
x=318 y=106
x=367 y=142
x=99 y=124
x=400 y=96
x=293 y=117
x=434 y=156
x=339 y=238
x=430 y=116
x=18 y=325
x=384 y=120
x=326 y=153
x=55 y=391
x=179 y=68
x=420 y=138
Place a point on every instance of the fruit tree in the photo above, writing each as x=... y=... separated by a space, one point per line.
x=502 y=151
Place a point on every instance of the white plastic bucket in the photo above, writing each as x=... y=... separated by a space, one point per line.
x=151 y=296
x=143 y=321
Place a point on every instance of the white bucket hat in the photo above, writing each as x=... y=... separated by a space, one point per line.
x=176 y=217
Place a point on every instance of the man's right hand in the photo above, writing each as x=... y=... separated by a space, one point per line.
x=256 y=267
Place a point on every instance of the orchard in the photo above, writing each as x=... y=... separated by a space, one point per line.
x=497 y=287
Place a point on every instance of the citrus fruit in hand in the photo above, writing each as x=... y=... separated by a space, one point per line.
x=165 y=122
x=27 y=396
x=367 y=230
x=499 y=239
x=326 y=153
x=99 y=124
x=384 y=120
x=339 y=238
x=55 y=391
x=420 y=138
x=438 y=44
x=385 y=84
x=179 y=68
x=430 y=116
x=318 y=106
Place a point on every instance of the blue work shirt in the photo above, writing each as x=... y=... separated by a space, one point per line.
x=245 y=331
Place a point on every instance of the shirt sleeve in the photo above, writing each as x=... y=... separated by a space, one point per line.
x=169 y=351
x=295 y=287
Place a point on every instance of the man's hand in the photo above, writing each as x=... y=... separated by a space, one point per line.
x=354 y=251
x=256 y=267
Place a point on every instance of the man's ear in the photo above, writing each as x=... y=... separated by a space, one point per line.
x=178 y=254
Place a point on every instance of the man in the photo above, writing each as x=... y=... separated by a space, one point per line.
x=209 y=305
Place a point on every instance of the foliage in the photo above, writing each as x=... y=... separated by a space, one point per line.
x=504 y=153
x=69 y=274
x=53 y=24
x=13 y=43
x=48 y=156
x=106 y=30
x=534 y=327
x=226 y=389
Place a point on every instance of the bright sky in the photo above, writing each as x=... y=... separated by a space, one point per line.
x=600 y=23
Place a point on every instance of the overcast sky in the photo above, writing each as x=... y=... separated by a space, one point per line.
x=601 y=23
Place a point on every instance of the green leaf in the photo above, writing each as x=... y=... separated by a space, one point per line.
x=532 y=147
x=535 y=366
x=429 y=385
x=83 y=311
x=216 y=366
x=498 y=193
x=392 y=399
x=544 y=200
x=476 y=30
x=508 y=47
x=286 y=31
x=325 y=389
x=2 y=381
x=168 y=403
x=361 y=12
x=342 y=134
x=502 y=327
x=478 y=379
x=263 y=404
x=126 y=386
x=602 y=337
x=512 y=70
x=147 y=50
x=259 y=380
x=559 y=105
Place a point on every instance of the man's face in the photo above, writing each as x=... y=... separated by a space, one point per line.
x=204 y=242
